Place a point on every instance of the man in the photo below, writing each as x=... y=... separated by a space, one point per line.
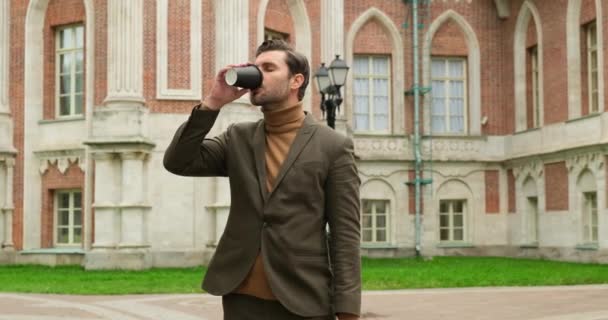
x=289 y=178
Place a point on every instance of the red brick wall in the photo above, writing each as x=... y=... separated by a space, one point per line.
x=556 y=186
x=511 y=191
x=178 y=39
x=15 y=96
x=278 y=18
x=449 y=41
x=53 y=180
x=492 y=191
x=58 y=13
x=372 y=38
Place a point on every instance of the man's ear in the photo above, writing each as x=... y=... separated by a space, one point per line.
x=297 y=80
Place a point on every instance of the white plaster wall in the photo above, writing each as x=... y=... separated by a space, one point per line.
x=558 y=229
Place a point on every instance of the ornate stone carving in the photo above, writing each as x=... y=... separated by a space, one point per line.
x=591 y=160
x=389 y=146
x=535 y=168
x=61 y=158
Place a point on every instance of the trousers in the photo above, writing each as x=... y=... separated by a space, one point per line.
x=245 y=307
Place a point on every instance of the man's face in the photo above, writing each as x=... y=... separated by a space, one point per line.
x=275 y=87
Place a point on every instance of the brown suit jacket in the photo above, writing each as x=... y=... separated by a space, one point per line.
x=311 y=272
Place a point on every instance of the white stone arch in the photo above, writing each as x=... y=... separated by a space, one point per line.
x=526 y=12
x=380 y=189
x=473 y=64
x=33 y=105
x=301 y=25
x=397 y=67
x=573 y=38
x=456 y=189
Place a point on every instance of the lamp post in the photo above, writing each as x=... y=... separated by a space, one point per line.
x=329 y=82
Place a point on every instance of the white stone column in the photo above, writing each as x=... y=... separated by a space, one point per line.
x=125 y=52
x=8 y=206
x=6 y=134
x=133 y=208
x=231 y=32
x=107 y=188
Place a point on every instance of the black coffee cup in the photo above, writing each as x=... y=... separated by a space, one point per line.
x=249 y=77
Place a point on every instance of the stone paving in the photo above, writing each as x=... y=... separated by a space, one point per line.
x=534 y=303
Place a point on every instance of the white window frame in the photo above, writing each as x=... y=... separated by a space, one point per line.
x=535 y=75
x=446 y=79
x=374 y=215
x=370 y=96
x=592 y=68
x=590 y=211
x=73 y=73
x=71 y=226
x=451 y=214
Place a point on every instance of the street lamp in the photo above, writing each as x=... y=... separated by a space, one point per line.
x=329 y=82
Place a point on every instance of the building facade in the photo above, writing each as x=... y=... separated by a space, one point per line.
x=513 y=123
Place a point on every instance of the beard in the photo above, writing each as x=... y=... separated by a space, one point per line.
x=264 y=97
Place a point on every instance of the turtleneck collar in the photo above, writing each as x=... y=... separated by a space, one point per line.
x=283 y=119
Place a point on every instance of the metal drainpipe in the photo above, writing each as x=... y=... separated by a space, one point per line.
x=417 y=156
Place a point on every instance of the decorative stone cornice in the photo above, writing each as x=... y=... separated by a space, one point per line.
x=590 y=160
x=61 y=158
x=386 y=146
x=534 y=168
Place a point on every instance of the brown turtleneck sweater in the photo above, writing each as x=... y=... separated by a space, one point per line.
x=281 y=127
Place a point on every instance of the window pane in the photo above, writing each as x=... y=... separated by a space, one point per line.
x=367 y=235
x=367 y=221
x=594 y=236
x=456 y=89
x=457 y=124
x=381 y=87
x=63 y=235
x=80 y=36
x=77 y=235
x=443 y=207
x=455 y=68
x=444 y=234
x=79 y=101
x=381 y=221
x=64 y=200
x=458 y=221
x=438 y=125
x=458 y=235
x=457 y=206
x=361 y=87
x=367 y=206
x=64 y=105
x=380 y=206
x=77 y=218
x=381 y=235
x=79 y=79
x=65 y=38
x=438 y=89
x=381 y=123
x=64 y=218
x=444 y=221
x=64 y=84
x=360 y=67
x=77 y=199
x=65 y=63
x=79 y=61
x=438 y=107
x=456 y=107
x=380 y=65
x=362 y=122
x=593 y=61
x=437 y=68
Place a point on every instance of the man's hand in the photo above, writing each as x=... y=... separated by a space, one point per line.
x=347 y=316
x=221 y=93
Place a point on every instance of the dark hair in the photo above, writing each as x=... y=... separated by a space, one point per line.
x=296 y=61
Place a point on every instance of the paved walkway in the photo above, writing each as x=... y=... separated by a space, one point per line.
x=536 y=303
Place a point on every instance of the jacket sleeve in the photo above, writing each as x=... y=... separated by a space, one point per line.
x=191 y=153
x=342 y=209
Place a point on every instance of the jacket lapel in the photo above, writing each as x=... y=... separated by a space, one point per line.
x=300 y=141
x=259 y=149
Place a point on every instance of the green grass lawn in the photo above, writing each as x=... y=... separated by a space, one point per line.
x=440 y=272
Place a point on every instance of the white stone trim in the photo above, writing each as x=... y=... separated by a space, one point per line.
x=473 y=65
x=502 y=8
x=33 y=85
x=397 y=67
x=162 y=53
x=61 y=158
x=527 y=11
x=301 y=25
x=5 y=7
x=125 y=51
x=332 y=30
x=573 y=36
